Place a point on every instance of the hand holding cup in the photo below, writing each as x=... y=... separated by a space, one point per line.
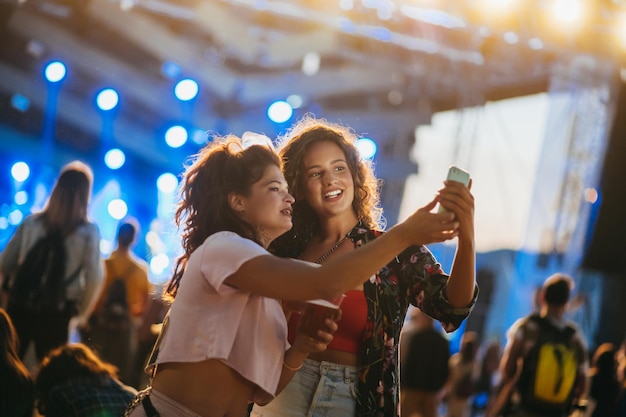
x=315 y=314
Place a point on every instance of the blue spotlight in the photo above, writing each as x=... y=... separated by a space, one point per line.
x=20 y=102
x=367 y=148
x=55 y=71
x=117 y=209
x=114 y=158
x=176 y=136
x=171 y=69
x=279 y=111
x=186 y=89
x=199 y=136
x=159 y=263
x=167 y=183
x=21 y=198
x=107 y=99
x=15 y=217
x=20 y=171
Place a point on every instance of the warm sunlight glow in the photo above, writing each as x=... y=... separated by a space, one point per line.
x=568 y=11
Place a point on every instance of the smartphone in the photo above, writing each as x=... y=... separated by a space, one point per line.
x=459 y=175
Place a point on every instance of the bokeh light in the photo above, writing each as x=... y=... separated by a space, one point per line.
x=114 y=158
x=20 y=171
x=167 y=183
x=159 y=263
x=279 y=111
x=117 y=209
x=367 y=148
x=107 y=99
x=21 y=198
x=176 y=136
x=55 y=71
x=186 y=89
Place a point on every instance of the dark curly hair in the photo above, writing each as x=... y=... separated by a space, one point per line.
x=292 y=148
x=221 y=168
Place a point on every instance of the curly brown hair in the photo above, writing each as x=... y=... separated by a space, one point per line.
x=222 y=167
x=292 y=148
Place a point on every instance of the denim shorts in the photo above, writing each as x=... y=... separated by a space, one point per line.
x=319 y=389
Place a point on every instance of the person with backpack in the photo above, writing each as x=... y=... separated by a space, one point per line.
x=544 y=366
x=424 y=370
x=53 y=261
x=121 y=304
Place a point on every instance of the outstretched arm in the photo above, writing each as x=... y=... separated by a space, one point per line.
x=461 y=284
x=292 y=280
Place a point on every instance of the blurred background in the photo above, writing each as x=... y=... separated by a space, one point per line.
x=528 y=95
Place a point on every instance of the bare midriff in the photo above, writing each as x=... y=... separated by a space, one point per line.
x=209 y=388
x=335 y=356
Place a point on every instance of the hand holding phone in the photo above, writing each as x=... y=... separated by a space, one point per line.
x=456 y=174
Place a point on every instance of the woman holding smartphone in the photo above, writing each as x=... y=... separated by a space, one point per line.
x=336 y=213
x=224 y=341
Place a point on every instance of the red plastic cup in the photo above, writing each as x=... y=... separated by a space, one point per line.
x=315 y=314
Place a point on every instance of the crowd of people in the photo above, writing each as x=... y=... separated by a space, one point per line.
x=262 y=233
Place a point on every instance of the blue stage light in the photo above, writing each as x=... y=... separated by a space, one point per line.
x=20 y=198
x=117 y=208
x=114 y=158
x=171 y=69
x=159 y=263
x=186 y=89
x=279 y=111
x=367 y=148
x=55 y=71
x=107 y=99
x=167 y=183
x=20 y=102
x=16 y=217
x=176 y=136
x=20 y=171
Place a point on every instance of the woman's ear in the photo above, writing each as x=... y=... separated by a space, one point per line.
x=236 y=202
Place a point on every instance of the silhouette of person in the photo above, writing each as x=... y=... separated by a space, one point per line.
x=17 y=389
x=604 y=388
x=115 y=326
x=65 y=215
x=424 y=356
x=517 y=368
x=74 y=382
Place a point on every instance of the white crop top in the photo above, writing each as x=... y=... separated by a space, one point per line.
x=211 y=320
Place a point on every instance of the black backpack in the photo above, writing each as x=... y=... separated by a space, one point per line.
x=38 y=284
x=114 y=313
x=549 y=372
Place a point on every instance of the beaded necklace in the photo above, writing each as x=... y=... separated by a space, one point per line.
x=331 y=250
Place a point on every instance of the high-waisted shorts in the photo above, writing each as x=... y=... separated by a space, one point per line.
x=318 y=389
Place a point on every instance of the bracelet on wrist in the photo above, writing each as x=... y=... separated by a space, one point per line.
x=292 y=369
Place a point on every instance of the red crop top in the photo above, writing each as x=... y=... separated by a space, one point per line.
x=348 y=336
